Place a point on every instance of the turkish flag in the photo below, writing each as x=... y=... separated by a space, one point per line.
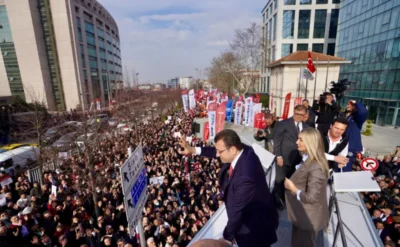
x=206 y=132
x=310 y=65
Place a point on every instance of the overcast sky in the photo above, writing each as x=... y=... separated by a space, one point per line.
x=163 y=39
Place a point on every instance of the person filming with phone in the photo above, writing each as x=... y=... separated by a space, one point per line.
x=252 y=215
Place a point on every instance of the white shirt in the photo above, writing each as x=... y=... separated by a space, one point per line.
x=233 y=164
x=332 y=145
x=300 y=125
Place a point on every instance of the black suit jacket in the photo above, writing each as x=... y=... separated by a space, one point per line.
x=252 y=215
x=285 y=138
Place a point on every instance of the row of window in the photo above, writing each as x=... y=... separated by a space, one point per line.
x=288 y=48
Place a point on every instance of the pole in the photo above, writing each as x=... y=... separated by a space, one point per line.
x=141 y=234
x=315 y=80
x=300 y=78
x=326 y=79
x=305 y=93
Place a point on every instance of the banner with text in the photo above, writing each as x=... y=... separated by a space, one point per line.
x=248 y=107
x=257 y=108
x=221 y=114
x=287 y=106
x=192 y=100
x=239 y=112
x=229 y=111
x=185 y=100
x=206 y=131
x=212 y=115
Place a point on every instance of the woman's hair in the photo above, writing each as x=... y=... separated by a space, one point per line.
x=315 y=148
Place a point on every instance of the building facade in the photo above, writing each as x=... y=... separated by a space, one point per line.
x=369 y=36
x=173 y=83
x=63 y=53
x=297 y=25
x=186 y=82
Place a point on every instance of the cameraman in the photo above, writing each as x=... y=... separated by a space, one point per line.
x=266 y=134
x=327 y=113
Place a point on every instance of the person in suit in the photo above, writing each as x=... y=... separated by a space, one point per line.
x=306 y=199
x=287 y=156
x=267 y=134
x=252 y=216
x=310 y=121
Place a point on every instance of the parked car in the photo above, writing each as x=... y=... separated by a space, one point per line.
x=66 y=142
x=13 y=160
x=54 y=133
x=113 y=122
x=14 y=146
x=98 y=118
x=80 y=141
x=124 y=126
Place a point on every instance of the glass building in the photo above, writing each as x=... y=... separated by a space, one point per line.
x=369 y=36
x=65 y=52
x=297 y=25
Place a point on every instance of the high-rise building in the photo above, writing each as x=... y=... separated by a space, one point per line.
x=173 y=83
x=297 y=25
x=62 y=52
x=186 y=82
x=369 y=36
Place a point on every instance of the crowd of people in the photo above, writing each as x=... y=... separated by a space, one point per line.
x=67 y=215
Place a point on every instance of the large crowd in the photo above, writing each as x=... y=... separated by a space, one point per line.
x=177 y=209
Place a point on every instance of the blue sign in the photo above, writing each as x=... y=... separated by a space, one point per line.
x=139 y=186
x=229 y=110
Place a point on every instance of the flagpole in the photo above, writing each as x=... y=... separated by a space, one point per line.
x=305 y=93
x=315 y=82
x=299 y=84
x=326 y=79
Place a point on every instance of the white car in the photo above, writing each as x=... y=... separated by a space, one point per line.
x=113 y=122
x=124 y=126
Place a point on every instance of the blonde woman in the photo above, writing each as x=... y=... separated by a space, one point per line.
x=306 y=199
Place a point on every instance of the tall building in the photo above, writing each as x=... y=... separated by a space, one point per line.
x=64 y=53
x=186 y=82
x=369 y=36
x=173 y=83
x=297 y=25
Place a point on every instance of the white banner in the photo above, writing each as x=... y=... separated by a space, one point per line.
x=256 y=109
x=212 y=117
x=248 y=108
x=185 y=102
x=192 y=100
x=238 y=112
x=157 y=180
x=218 y=97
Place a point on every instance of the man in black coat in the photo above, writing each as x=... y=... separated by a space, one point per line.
x=328 y=110
x=311 y=114
x=252 y=215
x=285 y=148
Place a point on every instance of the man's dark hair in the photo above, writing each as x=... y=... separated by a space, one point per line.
x=230 y=139
x=305 y=100
x=300 y=108
x=340 y=120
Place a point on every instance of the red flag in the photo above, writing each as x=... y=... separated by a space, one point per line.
x=286 y=107
x=310 y=65
x=259 y=120
x=221 y=115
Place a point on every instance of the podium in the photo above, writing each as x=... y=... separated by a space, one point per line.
x=362 y=181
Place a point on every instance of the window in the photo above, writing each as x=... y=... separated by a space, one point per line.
x=334 y=23
x=93 y=63
x=288 y=24
x=335 y=1
x=100 y=32
x=78 y=22
x=289 y=2
x=319 y=23
x=90 y=39
x=322 y=1
x=286 y=49
x=274 y=36
x=89 y=27
x=318 y=48
x=275 y=4
x=303 y=2
x=331 y=49
x=302 y=47
x=92 y=51
x=304 y=24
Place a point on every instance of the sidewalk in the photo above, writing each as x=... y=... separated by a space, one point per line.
x=383 y=141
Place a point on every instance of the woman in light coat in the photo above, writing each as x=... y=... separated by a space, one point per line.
x=306 y=199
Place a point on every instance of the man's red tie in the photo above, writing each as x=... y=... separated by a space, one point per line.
x=230 y=171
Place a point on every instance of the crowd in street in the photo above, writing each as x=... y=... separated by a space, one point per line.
x=62 y=212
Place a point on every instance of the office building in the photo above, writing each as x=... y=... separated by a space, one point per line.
x=64 y=53
x=369 y=36
x=173 y=83
x=297 y=25
x=186 y=82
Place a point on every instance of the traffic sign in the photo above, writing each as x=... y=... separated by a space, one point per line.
x=134 y=186
x=369 y=164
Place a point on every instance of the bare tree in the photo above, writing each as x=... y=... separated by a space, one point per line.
x=247 y=47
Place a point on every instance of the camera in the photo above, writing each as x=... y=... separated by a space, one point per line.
x=260 y=132
x=338 y=88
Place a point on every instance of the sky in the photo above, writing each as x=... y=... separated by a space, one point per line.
x=163 y=39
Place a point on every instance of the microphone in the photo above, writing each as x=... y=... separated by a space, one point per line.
x=349 y=154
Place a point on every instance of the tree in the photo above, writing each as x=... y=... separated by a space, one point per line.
x=247 y=47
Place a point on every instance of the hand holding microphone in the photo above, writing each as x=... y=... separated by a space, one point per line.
x=344 y=160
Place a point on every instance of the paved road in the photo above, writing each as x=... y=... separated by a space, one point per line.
x=383 y=141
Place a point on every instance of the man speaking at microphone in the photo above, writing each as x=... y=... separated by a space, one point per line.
x=252 y=215
x=337 y=146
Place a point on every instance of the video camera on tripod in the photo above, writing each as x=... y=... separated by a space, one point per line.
x=338 y=88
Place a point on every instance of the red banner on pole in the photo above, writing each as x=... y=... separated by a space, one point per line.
x=206 y=131
x=259 y=120
x=221 y=115
x=286 y=107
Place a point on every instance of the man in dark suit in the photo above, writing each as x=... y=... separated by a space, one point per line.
x=311 y=114
x=267 y=134
x=285 y=148
x=252 y=215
